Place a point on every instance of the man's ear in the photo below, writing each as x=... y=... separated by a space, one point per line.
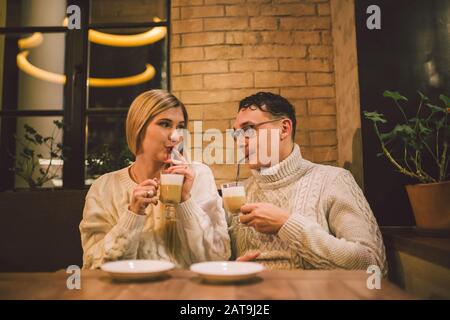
x=286 y=129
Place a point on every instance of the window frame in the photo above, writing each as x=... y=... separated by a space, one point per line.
x=75 y=110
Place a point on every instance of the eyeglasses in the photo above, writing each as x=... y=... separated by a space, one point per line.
x=249 y=131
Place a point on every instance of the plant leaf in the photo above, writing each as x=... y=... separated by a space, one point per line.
x=394 y=95
x=29 y=129
x=375 y=116
x=446 y=100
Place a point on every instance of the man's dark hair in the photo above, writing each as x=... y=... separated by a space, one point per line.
x=275 y=104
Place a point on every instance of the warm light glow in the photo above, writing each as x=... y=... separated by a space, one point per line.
x=38 y=73
x=145 y=38
x=30 y=42
x=134 y=40
x=148 y=74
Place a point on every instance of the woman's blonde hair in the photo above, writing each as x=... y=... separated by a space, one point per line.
x=143 y=109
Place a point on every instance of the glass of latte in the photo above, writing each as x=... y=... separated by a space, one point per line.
x=233 y=195
x=171 y=185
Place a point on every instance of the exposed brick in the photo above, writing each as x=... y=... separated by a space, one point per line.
x=288 y=10
x=242 y=10
x=195 y=112
x=323 y=138
x=318 y=79
x=186 y=26
x=323 y=9
x=204 y=97
x=302 y=138
x=229 y=80
x=317 y=123
x=272 y=79
x=183 y=3
x=187 y=54
x=304 y=65
x=223 y=52
x=308 y=92
x=254 y=65
x=194 y=82
x=326 y=38
x=222 y=1
x=306 y=37
x=204 y=67
x=175 y=13
x=306 y=23
x=322 y=106
x=226 y=24
x=274 y=51
x=175 y=69
x=277 y=37
x=263 y=23
x=324 y=154
x=220 y=110
x=240 y=37
x=176 y=41
x=320 y=52
x=202 y=39
x=202 y=12
x=300 y=107
x=216 y=124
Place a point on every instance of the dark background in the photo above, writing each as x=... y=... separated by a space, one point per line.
x=412 y=33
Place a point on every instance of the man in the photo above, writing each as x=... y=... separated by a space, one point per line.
x=298 y=214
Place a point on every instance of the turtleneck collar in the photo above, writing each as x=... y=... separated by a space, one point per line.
x=285 y=172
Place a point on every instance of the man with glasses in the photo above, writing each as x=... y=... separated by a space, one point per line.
x=298 y=214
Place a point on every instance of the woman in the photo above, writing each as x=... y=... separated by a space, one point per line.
x=123 y=218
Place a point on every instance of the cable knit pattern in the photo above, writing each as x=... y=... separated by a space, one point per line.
x=330 y=226
x=109 y=231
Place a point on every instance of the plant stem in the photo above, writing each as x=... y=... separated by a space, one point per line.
x=401 y=110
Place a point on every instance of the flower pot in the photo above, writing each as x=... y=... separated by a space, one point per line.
x=430 y=203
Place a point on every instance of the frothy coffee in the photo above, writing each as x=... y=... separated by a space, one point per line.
x=171 y=186
x=234 y=198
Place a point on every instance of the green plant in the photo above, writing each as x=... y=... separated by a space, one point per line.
x=27 y=164
x=410 y=143
x=108 y=157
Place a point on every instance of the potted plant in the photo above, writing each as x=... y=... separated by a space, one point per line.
x=418 y=147
x=39 y=231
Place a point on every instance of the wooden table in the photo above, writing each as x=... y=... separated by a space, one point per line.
x=183 y=284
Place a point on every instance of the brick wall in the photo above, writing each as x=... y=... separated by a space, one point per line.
x=225 y=50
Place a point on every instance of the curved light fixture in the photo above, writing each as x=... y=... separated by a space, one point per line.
x=32 y=41
x=151 y=36
x=52 y=77
x=133 y=40
x=36 y=72
x=148 y=74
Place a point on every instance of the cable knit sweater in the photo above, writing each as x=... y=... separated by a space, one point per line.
x=109 y=231
x=330 y=226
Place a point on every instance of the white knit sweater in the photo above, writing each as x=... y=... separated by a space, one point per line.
x=330 y=226
x=109 y=231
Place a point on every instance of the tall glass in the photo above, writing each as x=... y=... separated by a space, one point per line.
x=171 y=186
x=233 y=195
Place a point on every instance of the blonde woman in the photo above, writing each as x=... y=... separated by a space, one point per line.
x=123 y=218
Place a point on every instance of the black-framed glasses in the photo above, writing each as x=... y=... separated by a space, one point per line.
x=249 y=131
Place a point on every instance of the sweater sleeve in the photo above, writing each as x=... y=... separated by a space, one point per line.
x=355 y=241
x=203 y=220
x=105 y=237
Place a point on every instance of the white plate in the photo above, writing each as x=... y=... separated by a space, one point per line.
x=137 y=269
x=227 y=271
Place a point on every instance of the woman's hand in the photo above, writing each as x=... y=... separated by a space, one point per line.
x=189 y=175
x=143 y=195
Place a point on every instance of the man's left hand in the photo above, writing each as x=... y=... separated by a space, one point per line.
x=264 y=217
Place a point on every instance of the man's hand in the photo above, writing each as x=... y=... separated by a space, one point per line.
x=249 y=256
x=264 y=217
